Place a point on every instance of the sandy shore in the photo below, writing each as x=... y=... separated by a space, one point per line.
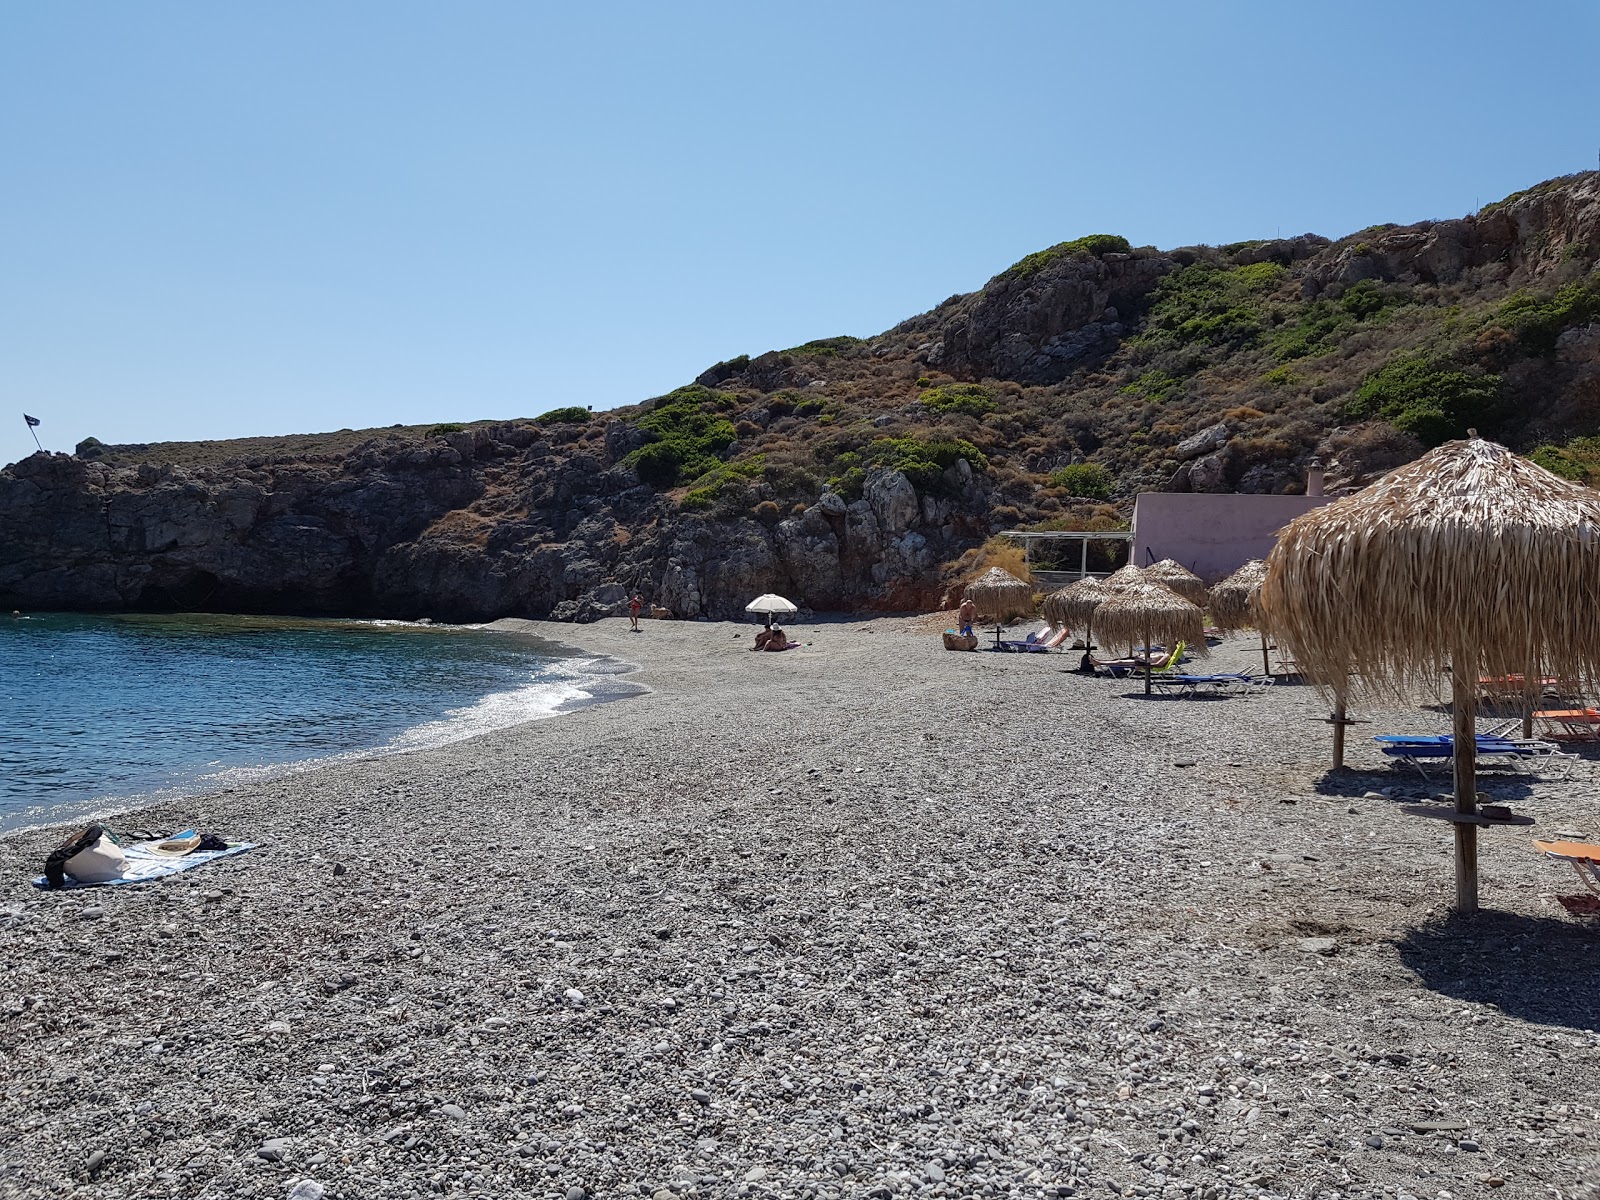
x=863 y=919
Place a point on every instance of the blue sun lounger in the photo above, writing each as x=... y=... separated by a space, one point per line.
x=1417 y=749
x=1219 y=684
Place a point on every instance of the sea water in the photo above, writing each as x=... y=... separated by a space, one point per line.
x=100 y=713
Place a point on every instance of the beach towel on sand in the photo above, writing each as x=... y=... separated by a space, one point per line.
x=144 y=864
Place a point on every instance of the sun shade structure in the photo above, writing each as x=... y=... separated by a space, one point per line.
x=1123 y=576
x=1147 y=613
x=1180 y=579
x=1470 y=559
x=1073 y=606
x=1234 y=603
x=771 y=605
x=1001 y=595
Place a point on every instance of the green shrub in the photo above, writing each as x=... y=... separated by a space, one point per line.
x=725 y=481
x=1087 y=480
x=1578 y=460
x=825 y=347
x=689 y=435
x=1092 y=246
x=659 y=463
x=1154 y=384
x=1210 y=306
x=571 y=415
x=1432 y=400
x=1321 y=325
x=969 y=399
x=448 y=427
x=922 y=460
x=1539 y=322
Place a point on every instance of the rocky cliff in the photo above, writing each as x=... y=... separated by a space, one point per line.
x=851 y=473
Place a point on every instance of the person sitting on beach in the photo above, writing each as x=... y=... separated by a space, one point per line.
x=966 y=616
x=778 y=641
x=762 y=639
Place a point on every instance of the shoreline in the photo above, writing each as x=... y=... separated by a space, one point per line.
x=604 y=682
x=867 y=915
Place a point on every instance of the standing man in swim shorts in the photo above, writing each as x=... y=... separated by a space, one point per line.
x=635 y=606
x=968 y=614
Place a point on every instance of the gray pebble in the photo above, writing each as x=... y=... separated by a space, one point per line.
x=1375 y=1141
x=95 y=1161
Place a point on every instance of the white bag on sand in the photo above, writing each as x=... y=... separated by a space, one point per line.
x=100 y=863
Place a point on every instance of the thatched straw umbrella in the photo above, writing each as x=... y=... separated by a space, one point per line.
x=1234 y=604
x=1123 y=576
x=1148 y=612
x=1074 y=604
x=1469 y=556
x=1002 y=596
x=1180 y=579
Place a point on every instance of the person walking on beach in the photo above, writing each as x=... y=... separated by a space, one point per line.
x=967 y=615
x=635 y=606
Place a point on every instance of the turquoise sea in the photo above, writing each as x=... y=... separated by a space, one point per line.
x=99 y=713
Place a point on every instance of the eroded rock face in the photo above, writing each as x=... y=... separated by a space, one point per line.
x=1039 y=327
x=467 y=526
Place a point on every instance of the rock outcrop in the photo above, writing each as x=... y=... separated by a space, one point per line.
x=463 y=527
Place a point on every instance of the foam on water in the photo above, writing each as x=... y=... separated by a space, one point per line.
x=266 y=696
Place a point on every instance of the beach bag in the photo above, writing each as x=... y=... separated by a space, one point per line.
x=89 y=856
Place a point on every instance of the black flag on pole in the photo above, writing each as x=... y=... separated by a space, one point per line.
x=30 y=420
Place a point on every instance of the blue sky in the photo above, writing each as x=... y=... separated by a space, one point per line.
x=224 y=220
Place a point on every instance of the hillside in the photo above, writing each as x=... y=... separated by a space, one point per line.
x=851 y=472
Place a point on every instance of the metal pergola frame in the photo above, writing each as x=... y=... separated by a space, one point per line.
x=1084 y=537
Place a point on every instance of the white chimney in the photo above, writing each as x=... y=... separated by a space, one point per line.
x=1314 y=478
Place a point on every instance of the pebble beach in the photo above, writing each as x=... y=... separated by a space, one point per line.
x=863 y=919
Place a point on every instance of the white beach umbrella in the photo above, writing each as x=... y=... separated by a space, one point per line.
x=771 y=605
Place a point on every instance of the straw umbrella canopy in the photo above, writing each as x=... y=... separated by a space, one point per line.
x=1233 y=601
x=1471 y=557
x=1180 y=579
x=1074 y=604
x=1148 y=612
x=1001 y=594
x=1234 y=604
x=1123 y=576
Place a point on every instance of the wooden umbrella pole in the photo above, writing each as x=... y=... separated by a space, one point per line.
x=1464 y=700
x=1339 y=723
x=1530 y=701
x=1147 y=658
x=1266 y=667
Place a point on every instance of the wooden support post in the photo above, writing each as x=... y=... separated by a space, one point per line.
x=1338 y=727
x=1530 y=701
x=1083 y=561
x=1464 y=699
x=1147 y=659
x=1266 y=667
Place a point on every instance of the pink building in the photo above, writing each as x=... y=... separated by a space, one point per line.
x=1214 y=534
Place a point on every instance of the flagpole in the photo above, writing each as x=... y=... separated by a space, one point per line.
x=29 y=424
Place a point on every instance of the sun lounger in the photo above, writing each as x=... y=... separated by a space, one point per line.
x=1570 y=724
x=1416 y=749
x=1584 y=857
x=1118 y=668
x=1217 y=684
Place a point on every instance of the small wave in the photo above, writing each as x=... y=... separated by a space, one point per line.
x=578 y=682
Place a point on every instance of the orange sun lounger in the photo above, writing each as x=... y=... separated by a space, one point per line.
x=1584 y=857
x=1575 y=724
